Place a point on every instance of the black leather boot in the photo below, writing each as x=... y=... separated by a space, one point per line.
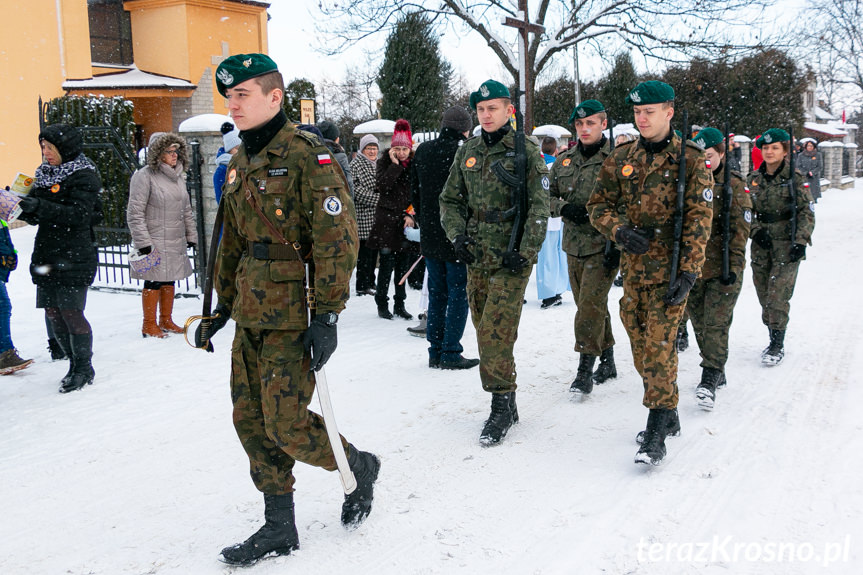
x=584 y=376
x=653 y=451
x=81 y=370
x=400 y=311
x=706 y=390
x=606 y=369
x=358 y=504
x=278 y=536
x=499 y=421
x=672 y=427
x=775 y=352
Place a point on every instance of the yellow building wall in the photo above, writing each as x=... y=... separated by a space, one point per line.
x=34 y=62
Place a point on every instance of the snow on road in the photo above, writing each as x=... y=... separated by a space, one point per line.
x=142 y=473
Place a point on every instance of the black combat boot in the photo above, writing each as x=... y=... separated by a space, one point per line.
x=775 y=352
x=55 y=349
x=500 y=420
x=278 y=536
x=399 y=310
x=672 y=428
x=652 y=451
x=706 y=390
x=358 y=503
x=384 y=311
x=81 y=368
x=682 y=340
x=513 y=407
x=584 y=376
x=606 y=369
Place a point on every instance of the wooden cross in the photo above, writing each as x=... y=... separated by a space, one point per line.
x=524 y=27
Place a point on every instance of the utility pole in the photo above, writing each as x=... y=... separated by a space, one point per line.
x=524 y=27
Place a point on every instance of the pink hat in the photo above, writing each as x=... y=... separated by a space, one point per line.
x=402 y=134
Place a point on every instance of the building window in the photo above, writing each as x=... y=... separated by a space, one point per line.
x=110 y=32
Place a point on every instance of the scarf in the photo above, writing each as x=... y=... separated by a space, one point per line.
x=257 y=139
x=48 y=175
x=590 y=151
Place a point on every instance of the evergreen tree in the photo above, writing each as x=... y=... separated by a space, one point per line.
x=296 y=90
x=614 y=87
x=553 y=102
x=414 y=76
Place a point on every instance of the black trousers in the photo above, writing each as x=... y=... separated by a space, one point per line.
x=398 y=262
x=366 y=260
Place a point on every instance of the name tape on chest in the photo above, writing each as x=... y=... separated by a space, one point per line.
x=277 y=172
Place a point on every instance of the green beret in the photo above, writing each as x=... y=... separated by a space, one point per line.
x=708 y=137
x=651 y=92
x=772 y=136
x=488 y=90
x=585 y=109
x=238 y=68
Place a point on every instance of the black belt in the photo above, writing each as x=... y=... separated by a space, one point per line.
x=495 y=216
x=783 y=216
x=265 y=251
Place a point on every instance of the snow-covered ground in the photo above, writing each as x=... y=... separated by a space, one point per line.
x=141 y=473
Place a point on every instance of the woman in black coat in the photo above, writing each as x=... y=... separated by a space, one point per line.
x=392 y=176
x=65 y=204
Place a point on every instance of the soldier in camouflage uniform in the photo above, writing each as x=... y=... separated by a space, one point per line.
x=285 y=204
x=476 y=217
x=775 y=253
x=634 y=203
x=711 y=302
x=592 y=268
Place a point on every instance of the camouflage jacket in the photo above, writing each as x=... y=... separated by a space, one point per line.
x=631 y=191
x=572 y=181
x=298 y=187
x=741 y=216
x=771 y=205
x=473 y=194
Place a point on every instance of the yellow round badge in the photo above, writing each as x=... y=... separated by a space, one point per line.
x=278 y=212
x=471 y=162
x=232 y=176
x=566 y=162
x=626 y=171
x=55 y=188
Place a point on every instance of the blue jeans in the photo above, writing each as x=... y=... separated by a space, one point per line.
x=447 y=311
x=5 y=320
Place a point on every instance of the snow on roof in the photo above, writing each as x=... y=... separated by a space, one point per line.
x=824 y=129
x=620 y=129
x=204 y=123
x=822 y=114
x=741 y=138
x=553 y=131
x=131 y=78
x=376 y=127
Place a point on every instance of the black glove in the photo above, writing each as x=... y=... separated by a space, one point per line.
x=209 y=326
x=679 y=289
x=611 y=259
x=461 y=243
x=145 y=250
x=320 y=341
x=633 y=241
x=798 y=251
x=575 y=214
x=514 y=262
x=191 y=244
x=762 y=238
x=29 y=205
x=732 y=277
x=9 y=262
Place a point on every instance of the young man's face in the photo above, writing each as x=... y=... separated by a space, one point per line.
x=714 y=157
x=653 y=121
x=494 y=114
x=589 y=130
x=249 y=107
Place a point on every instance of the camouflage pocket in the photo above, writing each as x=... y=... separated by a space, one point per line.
x=270 y=295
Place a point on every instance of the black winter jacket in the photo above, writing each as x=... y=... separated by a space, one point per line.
x=431 y=167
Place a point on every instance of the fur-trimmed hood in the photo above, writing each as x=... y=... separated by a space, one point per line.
x=161 y=141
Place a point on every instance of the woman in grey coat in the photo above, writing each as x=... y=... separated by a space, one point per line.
x=160 y=218
x=811 y=165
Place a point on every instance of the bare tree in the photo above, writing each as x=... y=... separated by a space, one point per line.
x=668 y=30
x=836 y=37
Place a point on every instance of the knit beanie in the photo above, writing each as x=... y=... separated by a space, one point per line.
x=230 y=136
x=402 y=134
x=329 y=130
x=457 y=118
x=369 y=140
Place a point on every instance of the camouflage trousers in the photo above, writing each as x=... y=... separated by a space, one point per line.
x=652 y=329
x=774 y=275
x=496 y=299
x=271 y=387
x=710 y=306
x=590 y=283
